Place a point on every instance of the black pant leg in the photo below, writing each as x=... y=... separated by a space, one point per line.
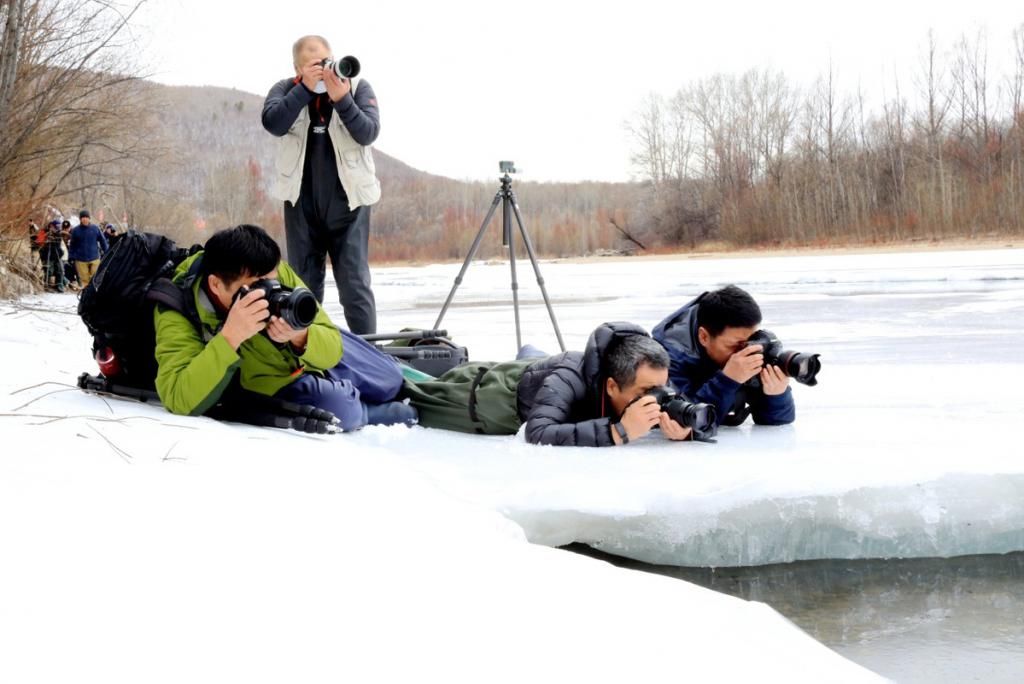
x=306 y=252
x=349 y=247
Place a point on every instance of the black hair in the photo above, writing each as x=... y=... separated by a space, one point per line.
x=623 y=360
x=728 y=307
x=244 y=250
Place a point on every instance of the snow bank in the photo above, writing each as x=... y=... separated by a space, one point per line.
x=144 y=547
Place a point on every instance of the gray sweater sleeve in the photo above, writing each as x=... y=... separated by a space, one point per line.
x=359 y=114
x=283 y=104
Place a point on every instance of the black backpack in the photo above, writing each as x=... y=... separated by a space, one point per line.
x=117 y=305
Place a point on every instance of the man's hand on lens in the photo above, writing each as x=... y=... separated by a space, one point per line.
x=247 y=317
x=672 y=429
x=282 y=333
x=773 y=380
x=312 y=74
x=337 y=88
x=744 y=364
x=640 y=416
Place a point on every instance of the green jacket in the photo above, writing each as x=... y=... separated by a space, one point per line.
x=196 y=368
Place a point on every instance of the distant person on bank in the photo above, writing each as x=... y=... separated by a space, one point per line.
x=86 y=247
x=326 y=176
x=52 y=255
x=34 y=240
x=70 y=271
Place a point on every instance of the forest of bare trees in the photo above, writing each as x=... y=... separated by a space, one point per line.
x=71 y=111
x=727 y=161
x=754 y=160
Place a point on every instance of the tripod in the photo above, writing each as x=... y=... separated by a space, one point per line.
x=509 y=205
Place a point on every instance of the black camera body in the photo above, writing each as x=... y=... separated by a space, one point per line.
x=701 y=418
x=346 y=67
x=297 y=308
x=801 y=367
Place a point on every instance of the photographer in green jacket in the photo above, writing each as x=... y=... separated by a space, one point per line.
x=235 y=333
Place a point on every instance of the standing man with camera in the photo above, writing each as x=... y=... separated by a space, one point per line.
x=712 y=361
x=325 y=124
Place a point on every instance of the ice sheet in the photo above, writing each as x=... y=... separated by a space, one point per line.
x=908 y=447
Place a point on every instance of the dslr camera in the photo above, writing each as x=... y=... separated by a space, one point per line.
x=296 y=307
x=346 y=67
x=701 y=418
x=801 y=367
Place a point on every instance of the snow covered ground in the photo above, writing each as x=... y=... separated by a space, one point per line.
x=140 y=546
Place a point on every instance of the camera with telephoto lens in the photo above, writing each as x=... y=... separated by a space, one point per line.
x=296 y=307
x=801 y=367
x=346 y=67
x=699 y=417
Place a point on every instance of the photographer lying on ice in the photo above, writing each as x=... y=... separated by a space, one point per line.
x=720 y=357
x=609 y=395
x=301 y=362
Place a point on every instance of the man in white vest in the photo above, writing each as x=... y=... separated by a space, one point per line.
x=326 y=177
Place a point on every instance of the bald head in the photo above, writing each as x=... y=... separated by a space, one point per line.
x=304 y=45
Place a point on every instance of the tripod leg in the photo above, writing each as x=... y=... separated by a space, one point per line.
x=469 y=257
x=536 y=270
x=510 y=241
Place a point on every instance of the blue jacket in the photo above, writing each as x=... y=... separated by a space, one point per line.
x=695 y=375
x=87 y=243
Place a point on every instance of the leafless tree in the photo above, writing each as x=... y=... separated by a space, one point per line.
x=69 y=106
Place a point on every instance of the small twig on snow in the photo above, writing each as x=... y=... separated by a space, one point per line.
x=102 y=419
x=118 y=450
x=167 y=456
x=43 y=396
x=42 y=384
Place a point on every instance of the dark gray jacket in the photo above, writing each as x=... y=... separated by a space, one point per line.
x=562 y=398
x=358 y=110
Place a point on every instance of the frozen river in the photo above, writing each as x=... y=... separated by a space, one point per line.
x=907 y=448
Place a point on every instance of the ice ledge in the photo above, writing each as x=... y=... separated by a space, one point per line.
x=952 y=516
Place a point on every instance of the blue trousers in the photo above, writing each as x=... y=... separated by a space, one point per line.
x=364 y=375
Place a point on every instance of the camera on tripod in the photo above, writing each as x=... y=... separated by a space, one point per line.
x=506 y=199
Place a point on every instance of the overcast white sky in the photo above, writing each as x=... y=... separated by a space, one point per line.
x=548 y=84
